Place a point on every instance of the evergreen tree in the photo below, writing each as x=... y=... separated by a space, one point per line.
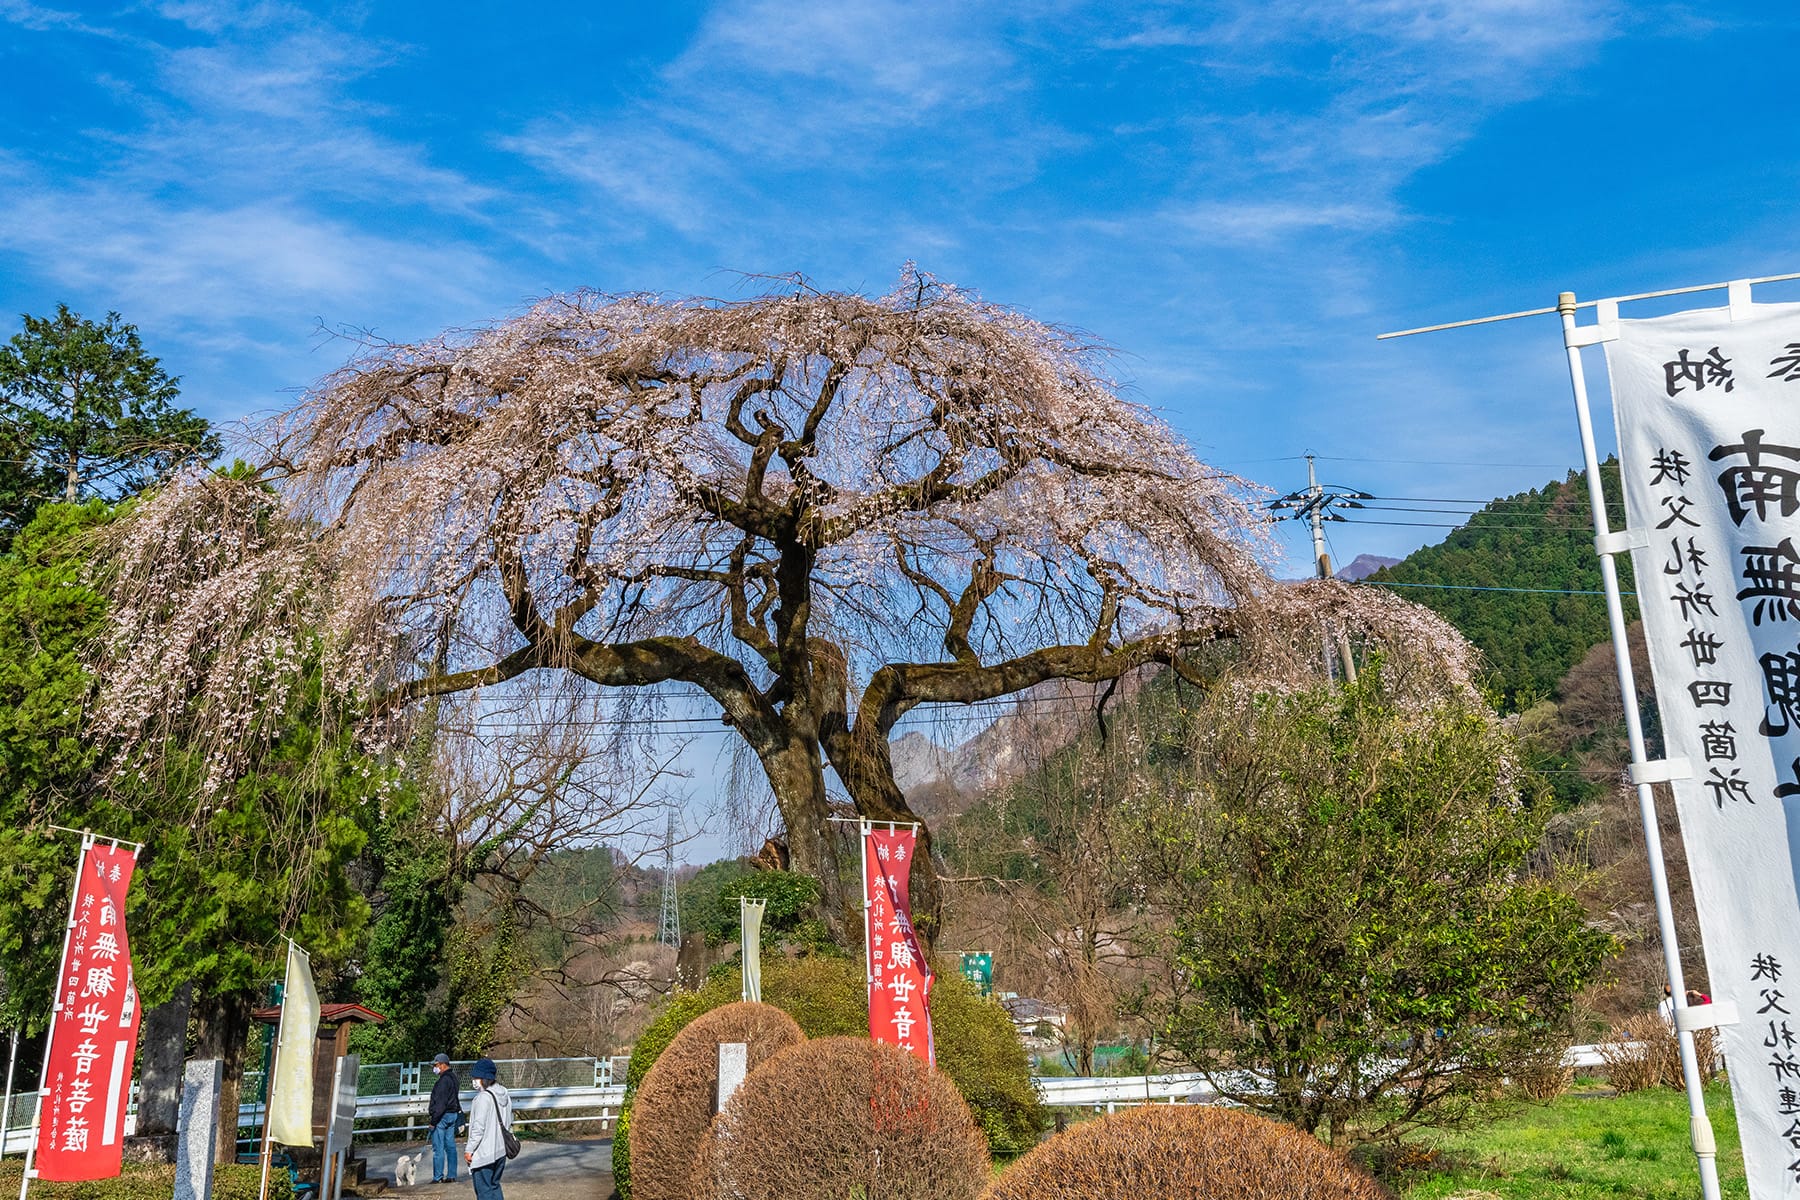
x=85 y=412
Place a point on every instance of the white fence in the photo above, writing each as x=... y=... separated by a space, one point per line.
x=550 y=1091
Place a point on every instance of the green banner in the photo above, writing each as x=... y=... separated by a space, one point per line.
x=978 y=969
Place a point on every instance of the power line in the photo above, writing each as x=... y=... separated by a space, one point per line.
x=1585 y=531
x=1473 y=587
x=1611 y=465
x=1439 y=500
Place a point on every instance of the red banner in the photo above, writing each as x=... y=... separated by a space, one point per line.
x=899 y=976
x=87 y=1080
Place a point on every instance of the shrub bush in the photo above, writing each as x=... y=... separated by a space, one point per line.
x=152 y=1181
x=683 y=1006
x=1184 y=1152
x=1631 y=1053
x=840 y=1117
x=621 y=1153
x=1545 y=1076
x=827 y=997
x=978 y=1047
x=1645 y=1052
x=674 y=1107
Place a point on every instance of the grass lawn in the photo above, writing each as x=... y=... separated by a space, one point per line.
x=1584 y=1146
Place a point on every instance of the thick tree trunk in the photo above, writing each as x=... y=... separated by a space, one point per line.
x=796 y=774
x=866 y=767
x=222 y=1031
x=165 y=1049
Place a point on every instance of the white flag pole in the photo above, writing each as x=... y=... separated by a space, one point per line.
x=6 y=1104
x=37 y=1117
x=1606 y=545
x=262 y=1152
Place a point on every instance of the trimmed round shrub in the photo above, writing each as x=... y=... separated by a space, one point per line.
x=674 y=1107
x=977 y=1046
x=1184 y=1152
x=839 y=1117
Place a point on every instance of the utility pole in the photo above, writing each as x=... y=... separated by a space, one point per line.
x=669 y=931
x=1315 y=504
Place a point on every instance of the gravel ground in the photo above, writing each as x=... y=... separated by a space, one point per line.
x=573 y=1170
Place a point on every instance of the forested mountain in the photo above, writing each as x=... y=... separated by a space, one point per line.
x=1541 y=543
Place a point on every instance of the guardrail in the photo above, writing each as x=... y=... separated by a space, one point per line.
x=601 y=1100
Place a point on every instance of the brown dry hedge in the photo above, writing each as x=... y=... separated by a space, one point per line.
x=1184 y=1152
x=674 y=1107
x=840 y=1117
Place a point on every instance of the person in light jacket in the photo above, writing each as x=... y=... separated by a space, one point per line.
x=489 y=1113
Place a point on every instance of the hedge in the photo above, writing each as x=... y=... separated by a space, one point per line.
x=150 y=1181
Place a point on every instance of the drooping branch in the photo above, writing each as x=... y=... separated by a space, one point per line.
x=821 y=510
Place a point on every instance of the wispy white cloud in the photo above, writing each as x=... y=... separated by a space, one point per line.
x=41 y=18
x=777 y=108
x=246 y=193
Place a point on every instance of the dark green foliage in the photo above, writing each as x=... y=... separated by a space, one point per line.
x=1540 y=539
x=787 y=895
x=1352 y=905
x=702 y=899
x=573 y=892
x=221 y=878
x=709 y=905
x=416 y=888
x=47 y=612
x=621 y=1153
x=980 y=1050
x=86 y=412
x=977 y=1046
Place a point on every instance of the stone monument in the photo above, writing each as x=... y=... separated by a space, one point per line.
x=194 y=1129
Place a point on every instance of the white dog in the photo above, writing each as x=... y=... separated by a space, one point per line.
x=406 y=1169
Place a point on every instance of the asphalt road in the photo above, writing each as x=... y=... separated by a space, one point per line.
x=573 y=1170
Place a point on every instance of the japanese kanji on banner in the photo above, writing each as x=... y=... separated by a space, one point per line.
x=87 y=1076
x=1708 y=411
x=899 y=976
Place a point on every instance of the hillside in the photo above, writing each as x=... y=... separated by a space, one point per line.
x=942 y=782
x=1522 y=582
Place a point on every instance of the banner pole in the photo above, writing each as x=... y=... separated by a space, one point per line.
x=864 y=828
x=37 y=1117
x=1699 y=1126
x=262 y=1154
x=12 y=1061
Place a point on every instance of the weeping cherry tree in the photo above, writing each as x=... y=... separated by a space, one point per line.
x=816 y=511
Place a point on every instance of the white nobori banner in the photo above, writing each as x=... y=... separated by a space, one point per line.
x=1707 y=405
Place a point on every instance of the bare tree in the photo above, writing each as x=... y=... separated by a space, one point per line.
x=817 y=512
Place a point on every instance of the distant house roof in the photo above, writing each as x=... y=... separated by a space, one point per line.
x=1025 y=1008
x=329 y=1014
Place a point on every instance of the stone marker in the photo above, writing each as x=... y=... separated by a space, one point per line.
x=194 y=1129
x=734 y=1064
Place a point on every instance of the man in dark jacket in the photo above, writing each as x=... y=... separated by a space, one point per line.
x=446 y=1111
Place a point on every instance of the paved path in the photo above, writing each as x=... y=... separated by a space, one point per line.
x=573 y=1170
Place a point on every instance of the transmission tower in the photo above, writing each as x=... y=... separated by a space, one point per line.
x=1314 y=506
x=670 y=930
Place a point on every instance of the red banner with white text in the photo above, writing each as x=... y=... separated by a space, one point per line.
x=87 y=1083
x=899 y=976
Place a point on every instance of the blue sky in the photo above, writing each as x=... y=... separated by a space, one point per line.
x=1236 y=195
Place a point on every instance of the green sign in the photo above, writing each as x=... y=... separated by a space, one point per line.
x=978 y=969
